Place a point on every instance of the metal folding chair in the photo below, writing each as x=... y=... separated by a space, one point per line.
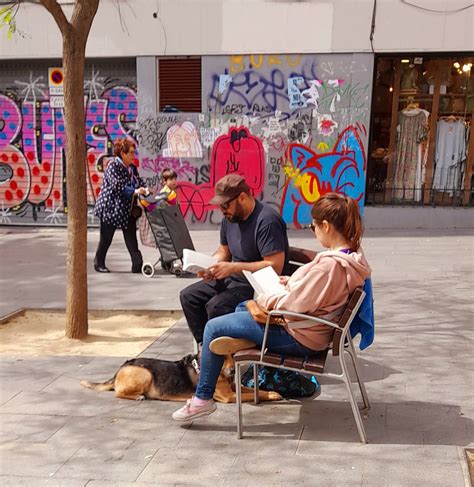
x=341 y=345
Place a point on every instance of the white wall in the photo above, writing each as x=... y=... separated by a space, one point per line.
x=250 y=26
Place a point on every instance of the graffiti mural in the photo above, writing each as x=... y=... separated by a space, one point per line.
x=237 y=152
x=183 y=141
x=33 y=141
x=294 y=125
x=311 y=175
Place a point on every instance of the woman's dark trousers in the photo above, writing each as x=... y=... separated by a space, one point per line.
x=107 y=232
x=204 y=300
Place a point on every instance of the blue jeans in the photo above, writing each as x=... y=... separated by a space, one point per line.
x=240 y=325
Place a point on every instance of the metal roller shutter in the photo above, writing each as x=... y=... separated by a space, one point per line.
x=180 y=84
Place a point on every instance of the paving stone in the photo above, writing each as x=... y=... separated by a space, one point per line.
x=100 y=430
x=114 y=459
x=34 y=459
x=8 y=392
x=259 y=436
x=115 y=483
x=402 y=474
x=76 y=402
x=97 y=369
x=29 y=428
x=15 y=481
x=285 y=470
x=438 y=422
x=187 y=466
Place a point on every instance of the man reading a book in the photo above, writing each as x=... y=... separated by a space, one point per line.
x=253 y=236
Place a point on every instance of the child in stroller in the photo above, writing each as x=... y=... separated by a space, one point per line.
x=169 y=180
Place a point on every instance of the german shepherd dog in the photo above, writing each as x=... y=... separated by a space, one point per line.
x=166 y=380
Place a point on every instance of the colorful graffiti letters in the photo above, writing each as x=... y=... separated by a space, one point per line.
x=33 y=141
x=237 y=62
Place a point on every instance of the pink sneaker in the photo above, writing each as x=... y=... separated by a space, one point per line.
x=192 y=411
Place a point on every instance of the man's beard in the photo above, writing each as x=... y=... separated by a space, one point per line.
x=238 y=216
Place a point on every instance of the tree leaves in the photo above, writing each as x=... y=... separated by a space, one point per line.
x=7 y=17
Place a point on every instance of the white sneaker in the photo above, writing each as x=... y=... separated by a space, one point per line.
x=192 y=411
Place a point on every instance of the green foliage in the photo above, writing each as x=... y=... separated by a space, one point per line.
x=8 y=18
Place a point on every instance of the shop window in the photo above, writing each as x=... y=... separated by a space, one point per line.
x=421 y=151
x=179 y=81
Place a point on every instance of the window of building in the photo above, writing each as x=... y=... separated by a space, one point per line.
x=421 y=147
x=179 y=82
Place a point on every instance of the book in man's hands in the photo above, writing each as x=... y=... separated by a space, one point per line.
x=265 y=281
x=195 y=261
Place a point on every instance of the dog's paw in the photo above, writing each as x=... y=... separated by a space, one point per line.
x=274 y=396
x=140 y=398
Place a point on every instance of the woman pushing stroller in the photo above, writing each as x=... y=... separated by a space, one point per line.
x=115 y=205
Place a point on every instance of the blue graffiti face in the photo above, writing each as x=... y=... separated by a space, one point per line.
x=312 y=175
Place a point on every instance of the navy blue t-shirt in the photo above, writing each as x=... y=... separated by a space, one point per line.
x=261 y=235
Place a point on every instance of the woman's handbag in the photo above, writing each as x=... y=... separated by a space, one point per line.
x=136 y=210
x=260 y=314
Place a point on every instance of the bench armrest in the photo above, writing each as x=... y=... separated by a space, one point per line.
x=306 y=320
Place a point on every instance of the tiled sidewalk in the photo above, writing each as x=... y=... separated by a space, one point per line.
x=418 y=375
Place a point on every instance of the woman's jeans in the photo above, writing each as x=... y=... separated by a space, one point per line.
x=240 y=325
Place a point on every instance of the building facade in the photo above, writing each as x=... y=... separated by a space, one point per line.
x=300 y=97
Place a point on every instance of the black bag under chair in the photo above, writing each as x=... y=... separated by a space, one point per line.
x=171 y=236
x=287 y=383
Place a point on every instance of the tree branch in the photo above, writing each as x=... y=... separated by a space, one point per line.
x=83 y=15
x=57 y=12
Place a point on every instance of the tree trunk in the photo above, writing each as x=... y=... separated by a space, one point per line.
x=75 y=33
x=74 y=47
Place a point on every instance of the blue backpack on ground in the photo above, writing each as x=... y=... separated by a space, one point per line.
x=287 y=383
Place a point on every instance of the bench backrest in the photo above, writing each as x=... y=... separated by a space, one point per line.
x=299 y=257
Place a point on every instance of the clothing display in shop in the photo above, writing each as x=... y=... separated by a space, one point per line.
x=412 y=132
x=451 y=145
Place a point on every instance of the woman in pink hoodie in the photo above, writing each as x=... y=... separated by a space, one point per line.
x=318 y=288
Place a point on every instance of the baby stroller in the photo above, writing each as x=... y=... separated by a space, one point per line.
x=163 y=227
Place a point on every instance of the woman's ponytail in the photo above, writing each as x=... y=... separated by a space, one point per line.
x=353 y=228
x=343 y=213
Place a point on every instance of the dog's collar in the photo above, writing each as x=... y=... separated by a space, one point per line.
x=195 y=365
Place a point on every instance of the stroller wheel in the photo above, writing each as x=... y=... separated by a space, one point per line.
x=178 y=272
x=148 y=270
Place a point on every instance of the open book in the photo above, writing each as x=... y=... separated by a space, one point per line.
x=265 y=281
x=195 y=261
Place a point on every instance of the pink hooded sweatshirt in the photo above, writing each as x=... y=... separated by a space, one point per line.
x=318 y=288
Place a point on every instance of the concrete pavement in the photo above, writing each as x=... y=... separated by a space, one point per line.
x=418 y=375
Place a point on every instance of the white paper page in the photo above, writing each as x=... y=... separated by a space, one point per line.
x=195 y=261
x=265 y=281
x=258 y=289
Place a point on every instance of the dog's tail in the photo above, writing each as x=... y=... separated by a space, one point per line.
x=99 y=386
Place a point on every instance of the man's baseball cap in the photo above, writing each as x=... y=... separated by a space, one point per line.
x=228 y=188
